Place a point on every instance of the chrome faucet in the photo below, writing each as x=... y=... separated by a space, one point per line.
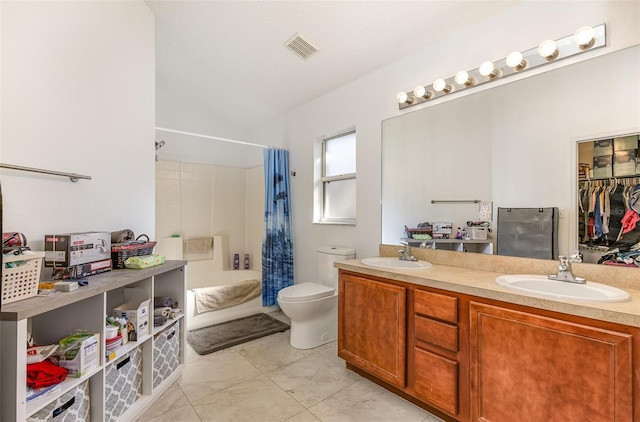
x=405 y=253
x=564 y=272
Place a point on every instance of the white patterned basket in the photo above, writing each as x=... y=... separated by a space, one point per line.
x=20 y=281
x=166 y=353
x=72 y=406
x=123 y=384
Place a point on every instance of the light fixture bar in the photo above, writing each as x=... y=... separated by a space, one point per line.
x=566 y=47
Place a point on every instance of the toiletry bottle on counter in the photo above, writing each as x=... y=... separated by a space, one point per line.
x=236 y=261
x=247 y=264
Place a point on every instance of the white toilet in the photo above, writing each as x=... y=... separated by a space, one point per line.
x=313 y=307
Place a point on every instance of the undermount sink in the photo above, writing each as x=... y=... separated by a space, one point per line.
x=395 y=263
x=542 y=286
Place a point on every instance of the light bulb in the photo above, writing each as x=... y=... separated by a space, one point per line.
x=488 y=69
x=584 y=37
x=516 y=60
x=440 y=85
x=463 y=78
x=403 y=98
x=421 y=92
x=548 y=50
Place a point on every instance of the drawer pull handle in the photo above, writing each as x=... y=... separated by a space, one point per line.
x=64 y=407
x=124 y=362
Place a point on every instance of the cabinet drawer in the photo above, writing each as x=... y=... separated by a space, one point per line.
x=437 y=333
x=436 y=380
x=435 y=305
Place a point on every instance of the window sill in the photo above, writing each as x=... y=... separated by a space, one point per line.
x=336 y=223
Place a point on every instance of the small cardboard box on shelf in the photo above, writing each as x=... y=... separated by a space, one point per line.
x=442 y=230
x=82 y=270
x=70 y=249
x=136 y=310
x=82 y=356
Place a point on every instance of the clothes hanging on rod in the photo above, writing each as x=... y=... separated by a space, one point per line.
x=609 y=213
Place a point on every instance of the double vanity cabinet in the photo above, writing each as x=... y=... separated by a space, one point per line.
x=121 y=385
x=473 y=358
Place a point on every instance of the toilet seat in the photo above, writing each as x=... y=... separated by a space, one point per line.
x=305 y=291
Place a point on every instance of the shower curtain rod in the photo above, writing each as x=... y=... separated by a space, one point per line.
x=233 y=141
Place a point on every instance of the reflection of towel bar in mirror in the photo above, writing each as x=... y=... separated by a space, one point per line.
x=454 y=201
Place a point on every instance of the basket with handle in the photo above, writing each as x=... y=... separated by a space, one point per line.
x=20 y=276
x=121 y=251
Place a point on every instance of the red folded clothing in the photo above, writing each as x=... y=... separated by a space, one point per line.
x=44 y=374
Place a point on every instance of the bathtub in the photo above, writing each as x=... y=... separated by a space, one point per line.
x=202 y=274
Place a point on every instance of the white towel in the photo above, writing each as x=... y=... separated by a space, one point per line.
x=199 y=245
x=165 y=311
x=220 y=297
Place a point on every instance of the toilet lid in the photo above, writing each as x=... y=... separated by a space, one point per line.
x=305 y=291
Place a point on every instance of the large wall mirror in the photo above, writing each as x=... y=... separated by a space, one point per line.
x=515 y=145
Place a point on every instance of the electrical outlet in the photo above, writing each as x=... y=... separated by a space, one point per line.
x=485 y=211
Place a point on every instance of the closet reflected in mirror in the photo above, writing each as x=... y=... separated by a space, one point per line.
x=609 y=200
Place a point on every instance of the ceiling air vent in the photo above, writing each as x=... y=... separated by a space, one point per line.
x=301 y=47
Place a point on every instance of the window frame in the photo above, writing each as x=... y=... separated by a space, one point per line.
x=325 y=180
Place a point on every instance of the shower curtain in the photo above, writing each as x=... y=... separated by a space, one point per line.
x=277 y=245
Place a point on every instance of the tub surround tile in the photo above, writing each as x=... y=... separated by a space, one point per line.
x=258 y=399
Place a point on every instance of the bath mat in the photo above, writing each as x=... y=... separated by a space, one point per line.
x=220 y=336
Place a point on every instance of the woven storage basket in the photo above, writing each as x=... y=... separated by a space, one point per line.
x=418 y=231
x=121 y=251
x=21 y=282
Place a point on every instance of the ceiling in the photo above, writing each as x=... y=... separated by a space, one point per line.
x=229 y=57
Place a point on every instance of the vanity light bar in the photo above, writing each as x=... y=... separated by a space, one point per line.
x=583 y=40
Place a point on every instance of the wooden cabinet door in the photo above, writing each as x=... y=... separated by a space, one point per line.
x=372 y=327
x=533 y=368
x=436 y=380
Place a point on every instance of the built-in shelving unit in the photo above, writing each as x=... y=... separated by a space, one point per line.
x=51 y=318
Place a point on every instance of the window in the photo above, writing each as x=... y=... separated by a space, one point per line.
x=338 y=180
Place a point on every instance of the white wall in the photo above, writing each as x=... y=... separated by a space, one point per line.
x=175 y=112
x=369 y=100
x=78 y=96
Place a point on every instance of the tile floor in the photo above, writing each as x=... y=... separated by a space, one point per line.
x=268 y=380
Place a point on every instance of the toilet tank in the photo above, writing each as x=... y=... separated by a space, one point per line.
x=327 y=255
